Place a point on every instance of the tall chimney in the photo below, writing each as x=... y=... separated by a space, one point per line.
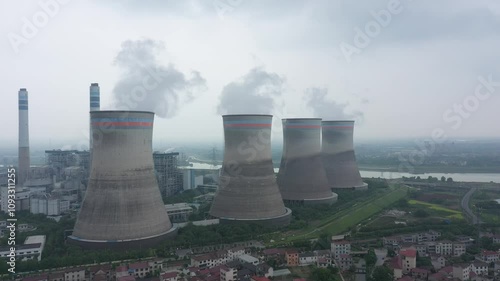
x=338 y=155
x=247 y=187
x=95 y=105
x=302 y=178
x=24 y=138
x=122 y=208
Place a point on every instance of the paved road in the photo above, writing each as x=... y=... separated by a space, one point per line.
x=465 y=206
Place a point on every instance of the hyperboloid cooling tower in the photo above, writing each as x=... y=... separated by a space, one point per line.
x=302 y=177
x=123 y=208
x=247 y=190
x=24 y=139
x=338 y=155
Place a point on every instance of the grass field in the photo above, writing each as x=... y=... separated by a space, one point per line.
x=453 y=214
x=348 y=217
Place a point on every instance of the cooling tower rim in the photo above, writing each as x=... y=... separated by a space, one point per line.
x=76 y=238
x=336 y=121
x=311 y=118
x=120 y=111
x=246 y=115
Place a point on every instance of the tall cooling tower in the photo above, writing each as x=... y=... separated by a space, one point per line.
x=247 y=187
x=122 y=208
x=302 y=177
x=24 y=139
x=95 y=105
x=338 y=155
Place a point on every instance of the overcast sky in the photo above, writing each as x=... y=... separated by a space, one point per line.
x=399 y=68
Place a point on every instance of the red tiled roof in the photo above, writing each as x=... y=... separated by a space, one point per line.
x=419 y=270
x=411 y=253
x=126 y=278
x=274 y=251
x=169 y=274
x=395 y=263
x=138 y=265
x=341 y=242
x=489 y=253
x=405 y=278
x=121 y=268
x=447 y=269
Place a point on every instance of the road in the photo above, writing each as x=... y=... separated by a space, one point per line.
x=465 y=206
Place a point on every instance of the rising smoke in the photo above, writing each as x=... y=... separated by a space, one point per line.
x=326 y=109
x=147 y=84
x=254 y=93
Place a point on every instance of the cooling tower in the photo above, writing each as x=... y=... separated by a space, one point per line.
x=123 y=208
x=24 y=139
x=247 y=187
x=95 y=105
x=338 y=155
x=302 y=177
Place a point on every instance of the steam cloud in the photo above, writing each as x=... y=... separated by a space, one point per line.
x=148 y=85
x=326 y=109
x=254 y=93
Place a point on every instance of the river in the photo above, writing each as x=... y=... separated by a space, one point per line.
x=470 y=177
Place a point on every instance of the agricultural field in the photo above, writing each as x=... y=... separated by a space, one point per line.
x=484 y=204
x=438 y=210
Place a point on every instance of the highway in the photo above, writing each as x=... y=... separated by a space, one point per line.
x=465 y=206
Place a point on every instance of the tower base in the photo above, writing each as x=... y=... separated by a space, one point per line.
x=274 y=222
x=122 y=245
x=319 y=201
x=363 y=186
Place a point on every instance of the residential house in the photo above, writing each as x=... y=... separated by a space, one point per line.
x=292 y=257
x=461 y=271
x=340 y=247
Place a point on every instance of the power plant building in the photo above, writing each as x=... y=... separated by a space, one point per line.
x=167 y=172
x=338 y=155
x=248 y=192
x=122 y=208
x=302 y=177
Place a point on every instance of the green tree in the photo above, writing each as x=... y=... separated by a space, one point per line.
x=321 y=274
x=382 y=273
x=449 y=180
x=443 y=179
x=370 y=258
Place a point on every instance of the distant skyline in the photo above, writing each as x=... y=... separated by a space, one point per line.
x=401 y=69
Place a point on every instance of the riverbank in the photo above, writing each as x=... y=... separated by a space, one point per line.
x=431 y=169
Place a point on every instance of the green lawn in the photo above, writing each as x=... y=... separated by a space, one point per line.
x=453 y=214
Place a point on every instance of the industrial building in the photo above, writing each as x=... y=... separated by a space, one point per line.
x=122 y=208
x=301 y=177
x=190 y=179
x=22 y=199
x=24 y=144
x=59 y=160
x=167 y=173
x=31 y=249
x=179 y=212
x=48 y=205
x=338 y=155
x=248 y=191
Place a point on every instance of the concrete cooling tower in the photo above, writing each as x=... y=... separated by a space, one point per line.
x=247 y=187
x=24 y=139
x=123 y=208
x=302 y=177
x=338 y=155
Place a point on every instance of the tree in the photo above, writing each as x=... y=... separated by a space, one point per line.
x=420 y=213
x=443 y=179
x=449 y=180
x=321 y=274
x=370 y=258
x=382 y=273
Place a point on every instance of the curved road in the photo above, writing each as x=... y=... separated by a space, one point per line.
x=465 y=206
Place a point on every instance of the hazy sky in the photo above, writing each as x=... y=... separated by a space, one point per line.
x=399 y=68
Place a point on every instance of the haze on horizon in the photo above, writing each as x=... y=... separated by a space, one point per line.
x=401 y=69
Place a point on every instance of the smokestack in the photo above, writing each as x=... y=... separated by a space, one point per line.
x=338 y=155
x=302 y=177
x=95 y=105
x=24 y=138
x=248 y=191
x=122 y=208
